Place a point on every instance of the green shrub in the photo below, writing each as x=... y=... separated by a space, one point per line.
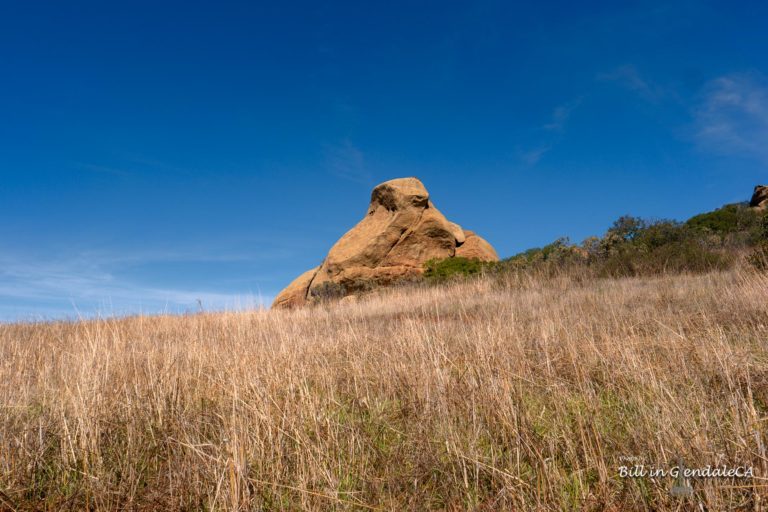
x=759 y=257
x=729 y=220
x=635 y=247
x=678 y=256
x=626 y=228
x=558 y=252
x=630 y=247
x=437 y=270
x=660 y=234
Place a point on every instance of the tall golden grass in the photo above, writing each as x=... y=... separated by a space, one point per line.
x=517 y=394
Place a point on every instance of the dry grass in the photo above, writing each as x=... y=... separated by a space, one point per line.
x=522 y=395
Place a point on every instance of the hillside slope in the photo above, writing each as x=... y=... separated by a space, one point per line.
x=524 y=393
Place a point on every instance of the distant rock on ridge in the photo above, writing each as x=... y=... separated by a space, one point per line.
x=760 y=197
x=400 y=232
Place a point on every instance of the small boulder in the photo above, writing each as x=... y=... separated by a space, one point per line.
x=476 y=247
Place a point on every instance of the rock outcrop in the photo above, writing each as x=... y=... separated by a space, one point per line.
x=760 y=197
x=476 y=247
x=401 y=230
x=295 y=293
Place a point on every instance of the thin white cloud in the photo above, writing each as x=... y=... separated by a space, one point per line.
x=532 y=156
x=561 y=115
x=554 y=128
x=732 y=116
x=87 y=286
x=347 y=161
x=629 y=77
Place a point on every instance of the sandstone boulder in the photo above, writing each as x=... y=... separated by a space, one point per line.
x=295 y=294
x=476 y=247
x=401 y=230
x=760 y=197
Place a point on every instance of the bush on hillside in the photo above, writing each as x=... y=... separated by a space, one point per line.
x=633 y=247
x=679 y=256
x=731 y=225
x=636 y=247
x=437 y=270
x=550 y=259
x=729 y=218
x=759 y=257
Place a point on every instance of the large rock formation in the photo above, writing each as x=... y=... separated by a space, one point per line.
x=760 y=197
x=400 y=232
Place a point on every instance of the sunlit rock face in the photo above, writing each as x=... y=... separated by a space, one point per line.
x=401 y=230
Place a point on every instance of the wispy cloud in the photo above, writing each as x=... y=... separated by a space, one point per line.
x=141 y=166
x=347 y=161
x=532 y=156
x=550 y=132
x=732 y=116
x=629 y=77
x=560 y=116
x=86 y=284
x=100 y=169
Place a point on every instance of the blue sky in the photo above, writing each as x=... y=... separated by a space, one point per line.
x=157 y=154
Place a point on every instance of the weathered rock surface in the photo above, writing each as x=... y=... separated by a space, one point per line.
x=295 y=294
x=760 y=197
x=476 y=247
x=400 y=232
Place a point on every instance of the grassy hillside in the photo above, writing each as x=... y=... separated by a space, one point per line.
x=507 y=392
x=632 y=246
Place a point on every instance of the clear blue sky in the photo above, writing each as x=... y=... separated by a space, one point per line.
x=157 y=153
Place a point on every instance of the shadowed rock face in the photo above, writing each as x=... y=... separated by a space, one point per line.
x=760 y=197
x=400 y=232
